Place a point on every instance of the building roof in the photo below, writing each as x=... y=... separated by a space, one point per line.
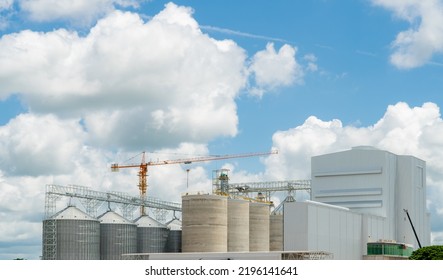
x=110 y=217
x=72 y=213
x=146 y=221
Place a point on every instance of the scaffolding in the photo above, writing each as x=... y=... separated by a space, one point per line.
x=268 y=188
x=92 y=200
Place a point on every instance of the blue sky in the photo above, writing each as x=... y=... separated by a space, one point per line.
x=85 y=85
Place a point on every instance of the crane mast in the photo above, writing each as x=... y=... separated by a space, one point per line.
x=143 y=167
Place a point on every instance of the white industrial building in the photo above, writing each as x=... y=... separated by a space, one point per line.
x=360 y=196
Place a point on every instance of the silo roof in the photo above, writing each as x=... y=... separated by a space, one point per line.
x=174 y=224
x=111 y=217
x=146 y=221
x=72 y=213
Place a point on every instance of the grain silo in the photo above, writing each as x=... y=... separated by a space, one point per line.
x=205 y=223
x=258 y=227
x=174 y=241
x=151 y=235
x=71 y=234
x=276 y=232
x=117 y=236
x=238 y=225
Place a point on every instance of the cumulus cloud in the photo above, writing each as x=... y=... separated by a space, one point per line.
x=403 y=130
x=172 y=81
x=33 y=145
x=6 y=4
x=416 y=46
x=78 y=11
x=273 y=69
x=311 y=60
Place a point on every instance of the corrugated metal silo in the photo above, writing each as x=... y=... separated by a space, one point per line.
x=174 y=241
x=258 y=227
x=74 y=236
x=151 y=235
x=238 y=225
x=117 y=236
x=276 y=232
x=205 y=223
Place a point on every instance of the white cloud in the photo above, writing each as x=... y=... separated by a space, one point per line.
x=237 y=175
x=139 y=84
x=297 y=145
x=78 y=11
x=416 y=46
x=275 y=69
x=311 y=59
x=178 y=15
x=33 y=145
x=402 y=130
x=173 y=82
x=6 y=4
x=21 y=215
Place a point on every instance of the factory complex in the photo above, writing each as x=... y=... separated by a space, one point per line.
x=364 y=203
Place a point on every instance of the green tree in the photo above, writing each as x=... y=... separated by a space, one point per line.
x=428 y=253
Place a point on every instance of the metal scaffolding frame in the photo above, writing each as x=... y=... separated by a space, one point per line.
x=91 y=200
x=268 y=188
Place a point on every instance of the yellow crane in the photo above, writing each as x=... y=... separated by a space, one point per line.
x=143 y=167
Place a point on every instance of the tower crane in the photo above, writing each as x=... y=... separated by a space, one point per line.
x=143 y=167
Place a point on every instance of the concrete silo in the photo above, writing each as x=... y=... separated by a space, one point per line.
x=276 y=232
x=71 y=234
x=205 y=223
x=117 y=236
x=258 y=227
x=151 y=235
x=238 y=225
x=174 y=240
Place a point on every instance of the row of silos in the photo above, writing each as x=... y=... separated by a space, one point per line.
x=213 y=223
x=71 y=234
